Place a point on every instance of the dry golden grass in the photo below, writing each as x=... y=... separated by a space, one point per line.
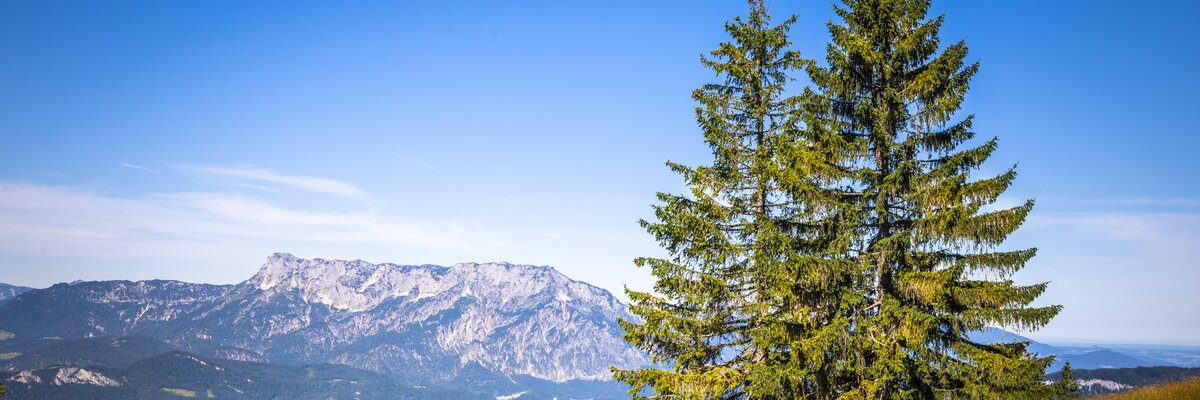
x=1184 y=390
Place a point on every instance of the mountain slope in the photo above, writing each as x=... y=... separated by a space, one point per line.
x=177 y=374
x=110 y=352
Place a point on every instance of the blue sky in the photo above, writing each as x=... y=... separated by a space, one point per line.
x=189 y=140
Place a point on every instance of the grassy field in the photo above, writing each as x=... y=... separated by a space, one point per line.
x=1185 y=390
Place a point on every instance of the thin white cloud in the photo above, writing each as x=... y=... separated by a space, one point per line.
x=1135 y=201
x=68 y=221
x=1170 y=230
x=259 y=187
x=139 y=167
x=1004 y=202
x=308 y=183
x=1157 y=201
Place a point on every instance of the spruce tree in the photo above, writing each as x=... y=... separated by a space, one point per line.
x=1066 y=387
x=713 y=317
x=926 y=271
x=838 y=247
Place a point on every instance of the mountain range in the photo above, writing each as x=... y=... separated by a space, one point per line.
x=415 y=324
x=1099 y=357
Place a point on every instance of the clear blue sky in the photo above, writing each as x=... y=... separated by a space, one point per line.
x=190 y=139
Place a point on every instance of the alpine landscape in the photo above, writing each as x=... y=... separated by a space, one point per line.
x=599 y=200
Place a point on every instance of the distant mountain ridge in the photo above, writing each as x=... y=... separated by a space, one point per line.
x=1099 y=357
x=415 y=323
x=9 y=291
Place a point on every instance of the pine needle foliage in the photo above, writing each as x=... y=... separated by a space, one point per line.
x=1067 y=386
x=840 y=245
x=926 y=270
x=714 y=313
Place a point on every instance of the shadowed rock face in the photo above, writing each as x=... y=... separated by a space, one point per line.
x=419 y=322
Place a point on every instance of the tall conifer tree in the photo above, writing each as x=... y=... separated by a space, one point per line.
x=926 y=271
x=838 y=247
x=713 y=316
x=1066 y=387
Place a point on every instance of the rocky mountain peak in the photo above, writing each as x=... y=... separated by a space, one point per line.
x=358 y=285
x=280 y=269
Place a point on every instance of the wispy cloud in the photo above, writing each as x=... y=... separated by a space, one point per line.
x=307 y=183
x=1155 y=201
x=139 y=167
x=259 y=187
x=1168 y=225
x=1174 y=231
x=1004 y=202
x=73 y=221
x=1134 y=201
